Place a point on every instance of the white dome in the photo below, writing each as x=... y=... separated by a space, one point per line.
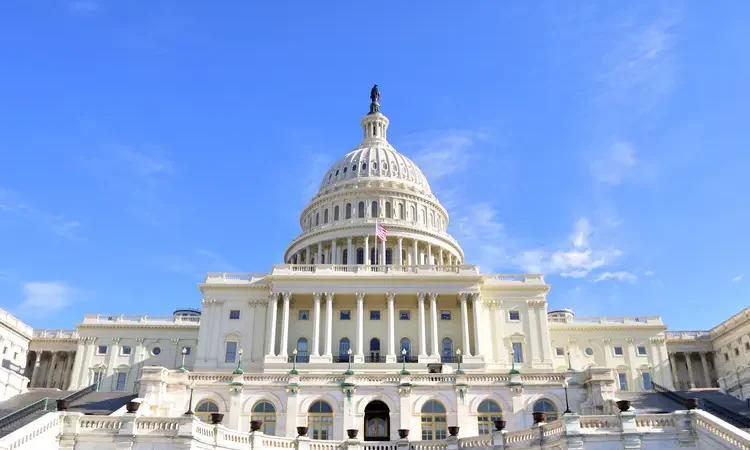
x=377 y=162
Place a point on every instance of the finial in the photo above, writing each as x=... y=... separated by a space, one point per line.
x=374 y=98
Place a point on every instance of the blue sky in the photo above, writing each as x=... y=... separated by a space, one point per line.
x=144 y=143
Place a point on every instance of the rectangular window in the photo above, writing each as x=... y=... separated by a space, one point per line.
x=101 y=349
x=126 y=350
x=623 y=379
x=747 y=346
x=647 y=381
x=345 y=315
x=234 y=314
x=517 y=352
x=560 y=351
x=5 y=350
x=445 y=315
x=641 y=350
x=736 y=352
x=121 y=378
x=618 y=351
x=404 y=315
x=374 y=315
x=514 y=315
x=187 y=351
x=98 y=378
x=726 y=357
x=303 y=314
x=231 y=353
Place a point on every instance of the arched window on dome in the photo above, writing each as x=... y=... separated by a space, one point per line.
x=432 y=219
x=374 y=209
x=325 y=216
x=336 y=213
x=361 y=210
x=413 y=212
x=345 y=257
x=348 y=214
x=401 y=211
x=388 y=211
x=317 y=219
x=360 y=255
x=388 y=256
x=424 y=216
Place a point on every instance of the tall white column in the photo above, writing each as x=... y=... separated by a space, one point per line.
x=360 y=354
x=440 y=257
x=415 y=253
x=391 y=357
x=400 y=250
x=434 y=314
x=690 y=369
x=319 y=255
x=49 y=376
x=476 y=300
x=704 y=364
x=422 y=325
x=308 y=253
x=316 y=323
x=273 y=305
x=37 y=363
x=287 y=297
x=466 y=346
x=351 y=258
x=382 y=253
x=112 y=353
x=329 y=322
x=673 y=363
x=334 y=253
x=429 y=255
x=367 y=250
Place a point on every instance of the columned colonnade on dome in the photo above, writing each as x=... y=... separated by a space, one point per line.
x=351 y=250
x=436 y=353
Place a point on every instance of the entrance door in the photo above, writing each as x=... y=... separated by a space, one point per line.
x=377 y=421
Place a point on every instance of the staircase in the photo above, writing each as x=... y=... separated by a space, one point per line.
x=723 y=406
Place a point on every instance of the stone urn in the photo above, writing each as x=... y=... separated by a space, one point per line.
x=539 y=417
x=453 y=431
x=132 y=406
x=62 y=405
x=691 y=403
x=301 y=431
x=352 y=433
x=403 y=433
x=255 y=425
x=216 y=418
x=623 y=405
x=499 y=425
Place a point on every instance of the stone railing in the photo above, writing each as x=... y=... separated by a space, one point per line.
x=361 y=269
x=56 y=334
x=629 y=320
x=14 y=323
x=690 y=335
x=694 y=429
x=101 y=319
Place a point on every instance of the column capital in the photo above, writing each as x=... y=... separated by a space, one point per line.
x=432 y=296
x=420 y=296
x=399 y=239
x=463 y=296
x=115 y=340
x=390 y=296
x=475 y=296
x=317 y=296
x=273 y=296
x=360 y=296
x=329 y=296
x=287 y=296
x=139 y=340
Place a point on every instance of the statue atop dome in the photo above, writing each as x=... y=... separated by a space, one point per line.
x=374 y=98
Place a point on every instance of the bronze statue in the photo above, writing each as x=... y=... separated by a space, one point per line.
x=374 y=97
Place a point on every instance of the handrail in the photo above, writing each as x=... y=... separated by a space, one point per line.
x=719 y=411
x=39 y=405
x=80 y=393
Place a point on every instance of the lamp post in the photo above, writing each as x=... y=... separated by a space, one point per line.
x=189 y=412
x=403 y=362
x=184 y=352
x=458 y=357
x=238 y=370
x=349 y=370
x=567 y=405
x=294 y=362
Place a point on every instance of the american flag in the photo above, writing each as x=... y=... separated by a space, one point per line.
x=380 y=232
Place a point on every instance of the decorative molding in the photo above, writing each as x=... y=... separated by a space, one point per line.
x=317 y=296
x=535 y=304
x=390 y=296
x=493 y=303
x=463 y=296
x=360 y=296
x=432 y=296
x=421 y=296
x=329 y=296
x=287 y=296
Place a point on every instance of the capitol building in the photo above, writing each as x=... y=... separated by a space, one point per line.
x=375 y=321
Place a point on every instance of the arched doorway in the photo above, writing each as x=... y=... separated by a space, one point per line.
x=377 y=421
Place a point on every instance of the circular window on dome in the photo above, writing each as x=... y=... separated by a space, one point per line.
x=589 y=351
x=155 y=351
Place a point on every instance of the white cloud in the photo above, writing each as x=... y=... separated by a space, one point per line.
x=649 y=273
x=45 y=297
x=619 y=276
x=441 y=154
x=737 y=279
x=616 y=165
x=482 y=236
x=13 y=205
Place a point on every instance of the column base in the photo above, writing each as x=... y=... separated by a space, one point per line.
x=390 y=358
x=358 y=358
x=318 y=359
x=276 y=359
x=473 y=359
x=428 y=359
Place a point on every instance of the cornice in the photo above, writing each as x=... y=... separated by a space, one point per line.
x=604 y=327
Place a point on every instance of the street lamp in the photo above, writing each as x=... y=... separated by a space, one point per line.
x=189 y=412
x=349 y=370
x=513 y=362
x=458 y=357
x=238 y=370
x=567 y=405
x=184 y=352
x=403 y=362
x=294 y=363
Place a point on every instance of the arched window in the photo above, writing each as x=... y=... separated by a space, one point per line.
x=205 y=408
x=265 y=412
x=325 y=216
x=401 y=211
x=447 y=350
x=361 y=210
x=374 y=209
x=345 y=257
x=405 y=345
x=348 y=210
x=434 y=420
x=546 y=406
x=432 y=219
x=360 y=255
x=388 y=256
x=323 y=258
x=487 y=413
x=317 y=219
x=424 y=216
x=388 y=210
x=320 y=420
x=374 y=350
x=344 y=346
x=336 y=213
x=303 y=354
x=413 y=212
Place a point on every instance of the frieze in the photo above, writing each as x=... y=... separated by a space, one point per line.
x=493 y=303
x=535 y=304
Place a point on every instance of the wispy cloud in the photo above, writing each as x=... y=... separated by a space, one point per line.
x=41 y=298
x=649 y=273
x=444 y=153
x=479 y=231
x=737 y=279
x=14 y=206
x=615 y=164
x=617 y=276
